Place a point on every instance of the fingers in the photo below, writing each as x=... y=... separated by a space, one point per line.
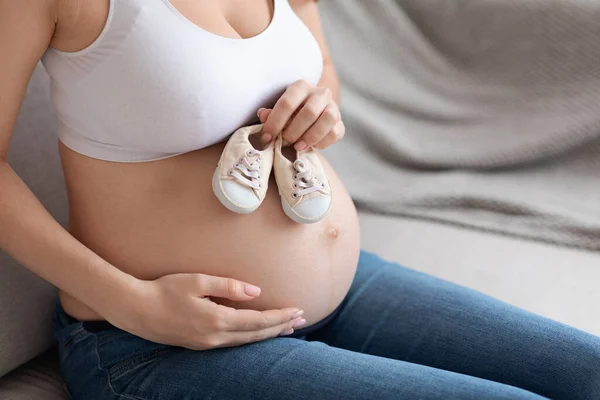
x=219 y=323
x=244 y=337
x=263 y=114
x=228 y=288
x=312 y=110
x=321 y=128
x=304 y=115
x=288 y=103
x=334 y=136
x=251 y=320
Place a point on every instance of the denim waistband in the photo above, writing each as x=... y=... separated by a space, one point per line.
x=62 y=319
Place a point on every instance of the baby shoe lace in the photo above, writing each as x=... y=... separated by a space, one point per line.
x=304 y=180
x=247 y=172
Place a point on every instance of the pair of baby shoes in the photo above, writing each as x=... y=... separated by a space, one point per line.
x=241 y=179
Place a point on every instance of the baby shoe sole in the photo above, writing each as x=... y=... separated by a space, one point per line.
x=230 y=205
x=299 y=219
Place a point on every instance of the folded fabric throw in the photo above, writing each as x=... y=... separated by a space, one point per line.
x=483 y=113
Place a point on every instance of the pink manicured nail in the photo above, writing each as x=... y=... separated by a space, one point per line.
x=266 y=138
x=297 y=314
x=288 y=332
x=300 y=145
x=252 y=290
x=259 y=111
x=299 y=323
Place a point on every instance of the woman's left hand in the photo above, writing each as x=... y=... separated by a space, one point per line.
x=307 y=115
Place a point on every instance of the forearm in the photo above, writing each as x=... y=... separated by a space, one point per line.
x=329 y=79
x=308 y=11
x=34 y=238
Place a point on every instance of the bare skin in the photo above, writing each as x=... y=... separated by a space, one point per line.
x=141 y=235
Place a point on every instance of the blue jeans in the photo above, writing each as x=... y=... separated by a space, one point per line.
x=399 y=334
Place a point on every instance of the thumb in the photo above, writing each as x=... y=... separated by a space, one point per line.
x=228 y=288
x=263 y=114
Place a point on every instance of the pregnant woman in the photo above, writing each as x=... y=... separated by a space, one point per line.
x=165 y=293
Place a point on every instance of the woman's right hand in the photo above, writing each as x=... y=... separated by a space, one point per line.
x=177 y=310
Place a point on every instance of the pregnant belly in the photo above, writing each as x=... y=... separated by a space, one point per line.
x=157 y=218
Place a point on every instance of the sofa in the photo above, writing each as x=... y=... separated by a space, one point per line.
x=557 y=282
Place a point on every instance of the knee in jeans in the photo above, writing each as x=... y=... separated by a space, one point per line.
x=590 y=380
x=595 y=384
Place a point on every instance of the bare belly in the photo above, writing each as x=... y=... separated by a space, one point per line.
x=161 y=217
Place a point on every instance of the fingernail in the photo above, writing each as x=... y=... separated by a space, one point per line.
x=259 y=111
x=297 y=314
x=266 y=138
x=299 y=323
x=252 y=290
x=288 y=332
x=300 y=145
x=284 y=143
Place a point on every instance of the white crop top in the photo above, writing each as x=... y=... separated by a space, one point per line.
x=154 y=85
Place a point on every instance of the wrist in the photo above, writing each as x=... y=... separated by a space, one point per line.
x=110 y=291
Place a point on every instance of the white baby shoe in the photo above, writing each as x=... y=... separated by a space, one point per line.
x=242 y=175
x=303 y=186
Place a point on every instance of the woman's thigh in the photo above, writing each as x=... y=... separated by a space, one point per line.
x=395 y=312
x=116 y=365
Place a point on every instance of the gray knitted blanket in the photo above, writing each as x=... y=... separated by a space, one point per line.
x=483 y=113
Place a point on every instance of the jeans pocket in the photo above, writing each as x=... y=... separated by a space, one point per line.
x=70 y=336
x=121 y=352
x=137 y=361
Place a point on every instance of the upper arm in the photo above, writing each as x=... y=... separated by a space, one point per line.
x=26 y=29
x=308 y=11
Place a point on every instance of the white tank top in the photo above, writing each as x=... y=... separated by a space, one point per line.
x=154 y=85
